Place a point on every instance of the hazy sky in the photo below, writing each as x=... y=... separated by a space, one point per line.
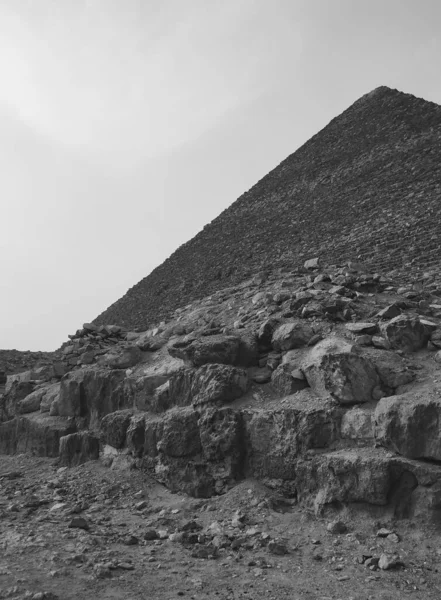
x=127 y=125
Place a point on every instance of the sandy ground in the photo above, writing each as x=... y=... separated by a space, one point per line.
x=247 y=544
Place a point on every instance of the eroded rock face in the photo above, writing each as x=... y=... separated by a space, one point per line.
x=32 y=402
x=92 y=393
x=180 y=434
x=410 y=424
x=291 y=335
x=277 y=438
x=37 y=434
x=333 y=369
x=78 y=448
x=287 y=380
x=406 y=333
x=124 y=358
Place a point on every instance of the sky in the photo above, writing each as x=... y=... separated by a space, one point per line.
x=127 y=125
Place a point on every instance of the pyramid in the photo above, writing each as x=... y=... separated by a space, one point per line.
x=367 y=187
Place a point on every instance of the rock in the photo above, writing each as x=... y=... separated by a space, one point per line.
x=218 y=349
x=36 y=433
x=113 y=428
x=135 y=435
x=333 y=369
x=380 y=342
x=312 y=263
x=390 y=312
x=78 y=448
x=278 y=438
x=435 y=338
x=360 y=328
x=312 y=309
x=383 y=532
x=180 y=436
x=51 y=393
x=291 y=335
x=287 y=380
x=32 y=402
x=279 y=547
x=406 y=333
x=389 y=562
x=79 y=523
x=210 y=384
x=150 y=535
x=357 y=424
x=266 y=331
x=410 y=424
x=392 y=370
x=337 y=527
x=92 y=393
x=124 y=359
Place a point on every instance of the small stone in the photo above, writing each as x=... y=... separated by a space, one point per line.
x=389 y=562
x=79 y=523
x=141 y=505
x=383 y=532
x=337 y=527
x=278 y=547
x=131 y=540
x=150 y=535
x=393 y=537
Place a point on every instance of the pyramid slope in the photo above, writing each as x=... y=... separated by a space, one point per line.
x=366 y=187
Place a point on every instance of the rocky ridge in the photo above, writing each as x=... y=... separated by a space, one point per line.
x=322 y=383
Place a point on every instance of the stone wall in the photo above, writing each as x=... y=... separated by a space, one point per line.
x=367 y=187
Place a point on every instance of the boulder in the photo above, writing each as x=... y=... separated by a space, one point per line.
x=410 y=424
x=113 y=428
x=78 y=448
x=406 y=333
x=218 y=384
x=287 y=380
x=31 y=403
x=361 y=475
x=219 y=349
x=265 y=333
x=51 y=393
x=92 y=393
x=123 y=359
x=180 y=435
x=17 y=390
x=357 y=424
x=333 y=369
x=361 y=328
x=390 y=312
x=277 y=438
x=210 y=384
x=291 y=335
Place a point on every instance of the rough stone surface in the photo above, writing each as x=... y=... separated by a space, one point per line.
x=410 y=424
x=334 y=370
x=78 y=448
x=291 y=335
x=406 y=333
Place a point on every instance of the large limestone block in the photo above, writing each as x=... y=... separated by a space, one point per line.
x=218 y=384
x=218 y=349
x=210 y=384
x=362 y=475
x=31 y=403
x=113 y=428
x=406 y=333
x=52 y=393
x=78 y=448
x=40 y=434
x=92 y=393
x=180 y=435
x=333 y=369
x=276 y=438
x=291 y=335
x=411 y=424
